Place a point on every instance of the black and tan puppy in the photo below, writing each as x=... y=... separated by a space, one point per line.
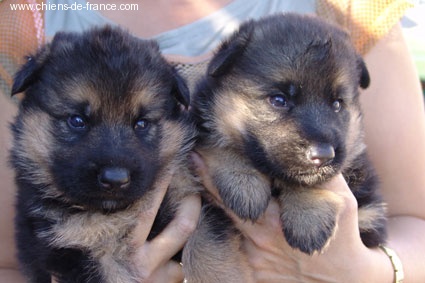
x=102 y=119
x=279 y=114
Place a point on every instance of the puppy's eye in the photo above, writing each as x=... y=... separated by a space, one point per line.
x=141 y=125
x=278 y=101
x=337 y=105
x=76 y=122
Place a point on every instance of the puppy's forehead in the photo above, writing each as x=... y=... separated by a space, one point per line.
x=116 y=103
x=108 y=70
x=291 y=43
x=152 y=95
x=296 y=67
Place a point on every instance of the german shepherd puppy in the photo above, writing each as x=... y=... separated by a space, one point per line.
x=279 y=114
x=103 y=117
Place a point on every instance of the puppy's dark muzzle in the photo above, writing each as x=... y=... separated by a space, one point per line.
x=114 y=178
x=321 y=154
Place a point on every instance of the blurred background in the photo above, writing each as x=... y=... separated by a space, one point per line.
x=413 y=24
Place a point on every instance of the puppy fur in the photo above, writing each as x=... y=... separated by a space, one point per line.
x=279 y=113
x=103 y=118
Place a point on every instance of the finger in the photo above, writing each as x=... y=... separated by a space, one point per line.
x=266 y=233
x=170 y=272
x=270 y=220
x=170 y=241
x=203 y=172
x=148 y=216
x=347 y=223
x=270 y=224
x=174 y=272
x=270 y=217
x=339 y=186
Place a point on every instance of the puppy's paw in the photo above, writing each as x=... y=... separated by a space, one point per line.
x=246 y=193
x=309 y=219
x=373 y=223
x=308 y=232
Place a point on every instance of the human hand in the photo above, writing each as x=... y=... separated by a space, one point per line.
x=346 y=259
x=153 y=258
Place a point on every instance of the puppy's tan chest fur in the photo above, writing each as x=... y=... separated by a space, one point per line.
x=96 y=231
x=106 y=236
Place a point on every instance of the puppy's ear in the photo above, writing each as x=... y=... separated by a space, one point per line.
x=364 y=79
x=319 y=49
x=28 y=73
x=180 y=90
x=230 y=50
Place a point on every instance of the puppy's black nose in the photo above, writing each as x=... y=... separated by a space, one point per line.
x=320 y=154
x=114 y=177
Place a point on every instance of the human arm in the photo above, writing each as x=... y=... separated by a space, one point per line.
x=395 y=135
x=8 y=264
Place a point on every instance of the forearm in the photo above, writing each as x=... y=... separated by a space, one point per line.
x=407 y=238
x=8 y=265
x=8 y=275
x=395 y=135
